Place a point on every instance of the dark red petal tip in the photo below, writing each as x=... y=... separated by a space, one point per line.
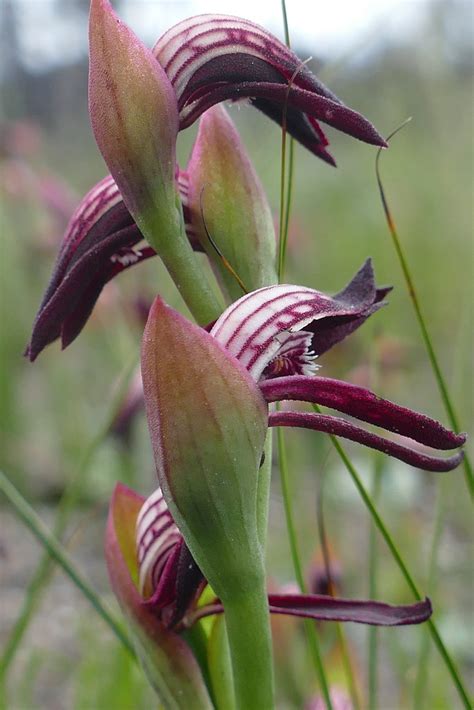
x=341 y=427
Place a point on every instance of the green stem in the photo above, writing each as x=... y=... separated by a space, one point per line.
x=448 y=661
x=282 y=218
x=190 y=279
x=340 y=632
x=32 y=521
x=373 y=566
x=286 y=223
x=220 y=667
x=285 y=205
x=348 y=669
x=285 y=23
x=311 y=634
x=442 y=386
x=419 y=695
x=72 y=492
x=248 y=630
x=263 y=492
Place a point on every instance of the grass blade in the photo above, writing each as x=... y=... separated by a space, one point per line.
x=55 y=550
x=377 y=518
x=45 y=567
x=435 y=366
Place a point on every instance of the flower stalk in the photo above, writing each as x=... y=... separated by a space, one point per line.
x=248 y=630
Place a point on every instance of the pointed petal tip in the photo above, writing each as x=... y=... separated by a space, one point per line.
x=326 y=156
x=29 y=354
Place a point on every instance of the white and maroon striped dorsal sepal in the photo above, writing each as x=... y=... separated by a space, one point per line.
x=156 y=537
x=257 y=326
x=190 y=44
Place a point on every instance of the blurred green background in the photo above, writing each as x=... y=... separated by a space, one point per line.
x=51 y=410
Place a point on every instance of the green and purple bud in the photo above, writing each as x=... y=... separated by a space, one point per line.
x=227 y=203
x=134 y=117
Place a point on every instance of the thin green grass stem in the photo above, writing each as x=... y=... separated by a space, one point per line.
x=312 y=638
x=370 y=505
x=285 y=201
x=340 y=631
x=435 y=366
x=286 y=218
x=72 y=492
x=284 y=212
x=419 y=692
x=34 y=523
x=284 y=221
x=285 y=23
x=373 y=569
x=347 y=665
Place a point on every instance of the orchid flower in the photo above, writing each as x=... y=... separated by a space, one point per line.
x=206 y=396
x=279 y=332
x=167 y=659
x=170 y=583
x=160 y=589
x=214 y=58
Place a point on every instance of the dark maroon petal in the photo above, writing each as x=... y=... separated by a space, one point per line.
x=325 y=608
x=362 y=404
x=341 y=427
x=190 y=582
x=362 y=297
x=99 y=243
x=69 y=305
x=304 y=109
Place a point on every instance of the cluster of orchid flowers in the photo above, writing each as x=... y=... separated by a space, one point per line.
x=195 y=548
